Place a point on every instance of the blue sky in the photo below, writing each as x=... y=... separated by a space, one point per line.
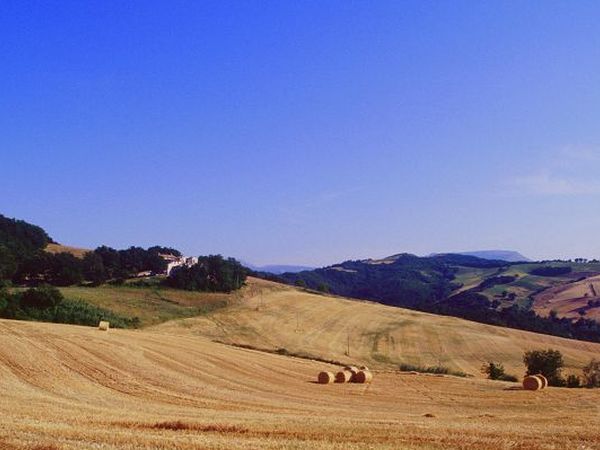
x=304 y=132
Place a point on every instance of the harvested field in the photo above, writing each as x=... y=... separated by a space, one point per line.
x=70 y=387
x=569 y=299
x=378 y=336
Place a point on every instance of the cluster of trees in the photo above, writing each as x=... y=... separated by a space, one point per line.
x=19 y=240
x=474 y=306
x=24 y=261
x=23 y=258
x=409 y=281
x=212 y=274
x=551 y=271
x=549 y=363
x=98 y=266
x=46 y=303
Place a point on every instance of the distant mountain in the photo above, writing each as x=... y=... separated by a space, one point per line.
x=502 y=255
x=278 y=269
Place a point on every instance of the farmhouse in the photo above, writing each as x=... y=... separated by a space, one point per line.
x=176 y=261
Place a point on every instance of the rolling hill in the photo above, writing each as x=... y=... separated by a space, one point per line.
x=571 y=300
x=276 y=317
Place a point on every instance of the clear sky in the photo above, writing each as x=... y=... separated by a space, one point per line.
x=304 y=132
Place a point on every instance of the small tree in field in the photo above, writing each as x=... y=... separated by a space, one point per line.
x=591 y=374
x=495 y=371
x=546 y=362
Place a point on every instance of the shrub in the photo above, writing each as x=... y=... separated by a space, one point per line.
x=495 y=371
x=323 y=287
x=547 y=362
x=573 y=381
x=591 y=374
x=43 y=297
x=432 y=369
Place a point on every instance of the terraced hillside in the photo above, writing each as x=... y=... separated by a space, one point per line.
x=278 y=317
x=70 y=387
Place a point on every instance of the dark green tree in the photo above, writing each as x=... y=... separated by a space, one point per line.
x=43 y=297
x=93 y=268
x=546 y=362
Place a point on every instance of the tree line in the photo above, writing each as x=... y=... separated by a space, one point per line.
x=24 y=261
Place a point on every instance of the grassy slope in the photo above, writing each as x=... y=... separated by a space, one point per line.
x=274 y=316
x=59 y=248
x=151 y=305
x=69 y=387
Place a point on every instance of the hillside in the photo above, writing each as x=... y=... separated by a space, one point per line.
x=274 y=316
x=69 y=387
x=59 y=248
x=571 y=300
x=150 y=305
x=487 y=291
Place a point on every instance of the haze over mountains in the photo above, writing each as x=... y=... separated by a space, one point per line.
x=497 y=255
x=502 y=255
x=278 y=269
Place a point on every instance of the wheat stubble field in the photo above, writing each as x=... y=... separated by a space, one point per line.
x=71 y=387
x=273 y=316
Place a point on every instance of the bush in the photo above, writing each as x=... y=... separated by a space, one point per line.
x=495 y=371
x=431 y=369
x=573 y=381
x=591 y=374
x=43 y=297
x=546 y=362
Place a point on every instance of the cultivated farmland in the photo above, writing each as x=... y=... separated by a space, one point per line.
x=281 y=318
x=70 y=387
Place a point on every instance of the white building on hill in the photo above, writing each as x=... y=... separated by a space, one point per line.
x=176 y=261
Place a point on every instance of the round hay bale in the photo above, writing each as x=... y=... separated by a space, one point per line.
x=343 y=376
x=363 y=368
x=351 y=368
x=325 y=377
x=363 y=376
x=543 y=379
x=532 y=383
x=104 y=325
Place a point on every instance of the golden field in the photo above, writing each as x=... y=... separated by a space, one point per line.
x=273 y=316
x=172 y=387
